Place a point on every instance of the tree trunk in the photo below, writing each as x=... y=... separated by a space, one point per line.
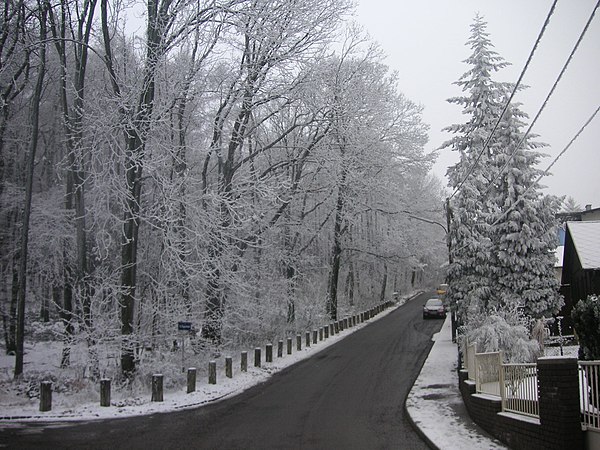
x=34 y=120
x=336 y=251
x=350 y=283
x=291 y=303
x=383 y=283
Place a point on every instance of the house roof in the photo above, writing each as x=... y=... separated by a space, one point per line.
x=586 y=239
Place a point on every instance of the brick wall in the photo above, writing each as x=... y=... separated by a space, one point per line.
x=559 y=424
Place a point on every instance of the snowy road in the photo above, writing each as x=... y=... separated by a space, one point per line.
x=349 y=396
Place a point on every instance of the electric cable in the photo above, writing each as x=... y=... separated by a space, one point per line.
x=545 y=172
x=516 y=87
x=564 y=68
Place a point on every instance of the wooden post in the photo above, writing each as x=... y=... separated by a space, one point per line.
x=46 y=396
x=244 y=363
x=105 y=392
x=331 y=329
x=212 y=372
x=257 y=357
x=346 y=323
x=336 y=327
x=229 y=367
x=289 y=346
x=157 y=387
x=298 y=342
x=326 y=331
x=269 y=353
x=320 y=333
x=315 y=334
x=307 y=339
x=191 y=379
x=280 y=349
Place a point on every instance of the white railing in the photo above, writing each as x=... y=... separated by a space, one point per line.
x=519 y=389
x=487 y=372
x=589 y=394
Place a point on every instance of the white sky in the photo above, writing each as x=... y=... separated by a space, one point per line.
x=425 y=43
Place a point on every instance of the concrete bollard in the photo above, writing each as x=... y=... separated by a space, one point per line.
x=289 y=346
x=229 y=367
x=212 y=372
x=257 y=357
x=244 y=362
x=105 y=392
x=269 y=353
x=280 y=349
x=191 y=379
x=46 y=396
x=157 y=387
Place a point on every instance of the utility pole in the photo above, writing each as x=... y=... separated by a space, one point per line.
x=449 y=243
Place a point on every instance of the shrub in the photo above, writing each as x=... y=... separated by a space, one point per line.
x=503 y=330
x=586 y=320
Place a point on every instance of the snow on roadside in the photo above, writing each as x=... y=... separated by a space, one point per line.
x=65 y=409
x=435 y=405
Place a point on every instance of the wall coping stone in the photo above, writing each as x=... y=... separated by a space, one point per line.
x=489 y=397
x=520 y=417
x=556 y=360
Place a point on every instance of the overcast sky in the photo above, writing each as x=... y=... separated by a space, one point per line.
x=425 y=43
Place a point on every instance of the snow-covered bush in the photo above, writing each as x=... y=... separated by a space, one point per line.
x=503 y=330
x=586 y=320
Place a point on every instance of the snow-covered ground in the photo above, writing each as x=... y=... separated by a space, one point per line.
x=434 y=403
x=68 y=406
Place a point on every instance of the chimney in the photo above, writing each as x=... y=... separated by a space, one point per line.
x=588 y=207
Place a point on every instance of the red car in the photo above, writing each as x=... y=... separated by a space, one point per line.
x=434 y=308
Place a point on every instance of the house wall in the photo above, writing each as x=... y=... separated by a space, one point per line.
x=559 y=425
x=593 y=214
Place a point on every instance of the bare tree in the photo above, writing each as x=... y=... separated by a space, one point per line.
x=42 y=15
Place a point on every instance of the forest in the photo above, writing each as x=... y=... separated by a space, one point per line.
x=249 y=166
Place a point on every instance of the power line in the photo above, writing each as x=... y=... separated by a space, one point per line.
x=489 y=138
x=545 y=172
x=522 y=140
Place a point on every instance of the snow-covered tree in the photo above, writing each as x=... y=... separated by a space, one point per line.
x=502 y=228
x=570 y=205
x=523 y=233
x=469 y=283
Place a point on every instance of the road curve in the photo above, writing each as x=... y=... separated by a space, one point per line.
x=348 y=396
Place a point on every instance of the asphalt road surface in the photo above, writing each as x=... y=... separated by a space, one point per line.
x=348 y=396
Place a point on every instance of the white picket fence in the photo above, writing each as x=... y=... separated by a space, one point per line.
x=519 y=389
x=515 y=384
x=589 y=389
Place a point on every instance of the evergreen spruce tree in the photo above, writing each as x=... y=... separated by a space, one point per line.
x=501 y=259
x=523 y=233
x=470 y=287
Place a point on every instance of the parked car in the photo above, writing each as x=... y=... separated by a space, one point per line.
x=434 y=308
